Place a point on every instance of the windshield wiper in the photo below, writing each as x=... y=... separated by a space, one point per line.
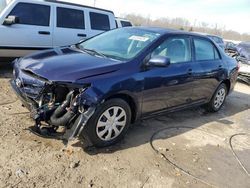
x=93 y=52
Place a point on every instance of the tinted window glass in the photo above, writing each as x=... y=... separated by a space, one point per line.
x=126 y=24
x=205 y=50
x=70 y=18
x=176 y=48
x=32 y=14
x=99 y=21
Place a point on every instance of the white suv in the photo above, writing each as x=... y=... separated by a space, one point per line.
x=31 y=25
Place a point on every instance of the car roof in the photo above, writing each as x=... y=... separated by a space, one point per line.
x=163 y=31
x=207 y=34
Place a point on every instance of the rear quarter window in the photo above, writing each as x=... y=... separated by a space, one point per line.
x=99 y=21
x=205 y=50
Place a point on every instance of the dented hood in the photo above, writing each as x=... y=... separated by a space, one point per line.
x=67 y=64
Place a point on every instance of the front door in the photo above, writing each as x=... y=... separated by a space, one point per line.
x=168 y=87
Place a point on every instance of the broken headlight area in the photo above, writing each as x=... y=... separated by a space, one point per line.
x=61 y=111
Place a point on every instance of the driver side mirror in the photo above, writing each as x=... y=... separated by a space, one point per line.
x=11 y=20
x=158 y=61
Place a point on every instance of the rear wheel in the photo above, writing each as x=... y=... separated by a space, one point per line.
x=218 y=98
x=109 y=123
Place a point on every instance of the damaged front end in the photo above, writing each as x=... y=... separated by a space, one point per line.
x=59 y=109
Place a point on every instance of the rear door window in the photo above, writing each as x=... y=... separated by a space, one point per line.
x=99 y=21
x=70 y=18
x=205 y=50
x=32 y=14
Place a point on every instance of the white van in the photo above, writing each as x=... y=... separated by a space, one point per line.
x=30 y=25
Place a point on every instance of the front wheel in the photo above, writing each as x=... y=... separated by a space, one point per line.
x=109 y=123
x=218 y=98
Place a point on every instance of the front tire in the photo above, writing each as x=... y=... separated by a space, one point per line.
x=109 y=123
x=218 y=98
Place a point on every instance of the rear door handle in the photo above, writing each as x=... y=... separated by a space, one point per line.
x=44 y=32
x=81 y=35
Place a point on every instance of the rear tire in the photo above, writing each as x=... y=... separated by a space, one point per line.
x=109 y=123
x=218 y=98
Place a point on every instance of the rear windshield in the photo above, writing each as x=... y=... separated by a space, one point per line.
x=3 y=4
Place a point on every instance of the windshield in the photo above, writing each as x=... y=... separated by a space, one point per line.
x=3 y=4
x=120 y=44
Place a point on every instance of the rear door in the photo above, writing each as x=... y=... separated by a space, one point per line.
x=70 y=25
x=207 y=69
x=33 y=32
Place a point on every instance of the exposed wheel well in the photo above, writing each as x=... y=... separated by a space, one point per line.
x=228 y=84
x=130 y=102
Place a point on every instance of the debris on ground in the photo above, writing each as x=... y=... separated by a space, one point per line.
x=74 y=164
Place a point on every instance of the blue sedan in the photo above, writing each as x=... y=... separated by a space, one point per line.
x=97 y=88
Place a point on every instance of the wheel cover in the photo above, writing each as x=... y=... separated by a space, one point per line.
x=111 y=123
x=219 y=98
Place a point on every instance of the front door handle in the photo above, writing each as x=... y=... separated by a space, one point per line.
x=190 y=72
x=81 y=35
x=44 y=32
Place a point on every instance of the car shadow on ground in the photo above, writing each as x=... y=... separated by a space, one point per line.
x=5 y=70
x=141 y=132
